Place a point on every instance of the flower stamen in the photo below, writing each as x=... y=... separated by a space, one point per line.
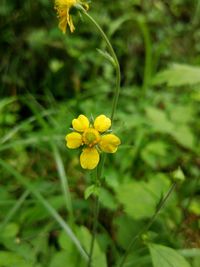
x=91 y=137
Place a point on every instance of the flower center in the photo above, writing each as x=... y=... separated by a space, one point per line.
x=91 y=137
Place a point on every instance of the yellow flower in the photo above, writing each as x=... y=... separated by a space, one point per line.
x=94 y=137
x=63 y=10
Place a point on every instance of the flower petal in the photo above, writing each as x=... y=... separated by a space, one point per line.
x=102 y=123
x=74 y=140
x=89 y=158
x=63 y=8
x=63 y=24
x=109 y=143
x=81 y=123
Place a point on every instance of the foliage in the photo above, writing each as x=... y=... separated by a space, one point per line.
x=47 y=79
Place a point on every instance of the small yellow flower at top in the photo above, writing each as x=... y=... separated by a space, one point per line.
x=63 y=10
x=94 y=137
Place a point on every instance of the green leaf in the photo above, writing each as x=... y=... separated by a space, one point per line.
x=157 y=154
x=10 y=259
x=107 y=199
x=144 y=203
x=178 y=75
x=107 y=56
x=166 y=257
x=184 y=136
x=177 y=111
x=59 y=259
x=177 y=128
x=125 y=234
x=140 y=198
x=91 y=190
x=159 y=120
x=99 y=258
x=195 y=207
x=64 y=257
x=10 y=231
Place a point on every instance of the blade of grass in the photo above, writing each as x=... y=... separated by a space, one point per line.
x=63 y=180
x=14 y=209
x=35 y=106
x=24 y=181
x=22 y=125
x=30 y=141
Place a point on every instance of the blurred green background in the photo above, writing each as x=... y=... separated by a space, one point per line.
x=47 y=79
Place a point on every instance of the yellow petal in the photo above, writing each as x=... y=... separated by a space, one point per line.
x=63 y=25
x=109 y=143
x=65 y=3
x=81 y=123
x=89 y=158
x=102 y=123
x=74 y=140
x=63 y=10
x=71 y=25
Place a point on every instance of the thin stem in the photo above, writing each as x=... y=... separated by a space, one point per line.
x=116 y=62
x=96 y=214
x=134 y=240
x=114 y=107
x=96 y=210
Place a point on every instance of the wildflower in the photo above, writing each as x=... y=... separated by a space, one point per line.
x=94 y=137
x=63 y=10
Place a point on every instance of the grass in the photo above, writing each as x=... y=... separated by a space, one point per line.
x=47 y=79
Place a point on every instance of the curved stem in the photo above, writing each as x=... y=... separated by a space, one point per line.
x=116 y=62
x=114 y=107
x=134 y=240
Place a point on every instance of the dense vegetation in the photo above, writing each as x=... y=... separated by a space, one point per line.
x=47 y=79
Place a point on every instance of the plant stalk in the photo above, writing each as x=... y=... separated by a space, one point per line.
x=114 y=107
x=96 y=210
x=113 y=55
x=134 y=240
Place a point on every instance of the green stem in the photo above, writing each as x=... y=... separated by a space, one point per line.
x=116 y=62
x=134 y=240
x=96 y=210
x=96 y=214
x=114 y=107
